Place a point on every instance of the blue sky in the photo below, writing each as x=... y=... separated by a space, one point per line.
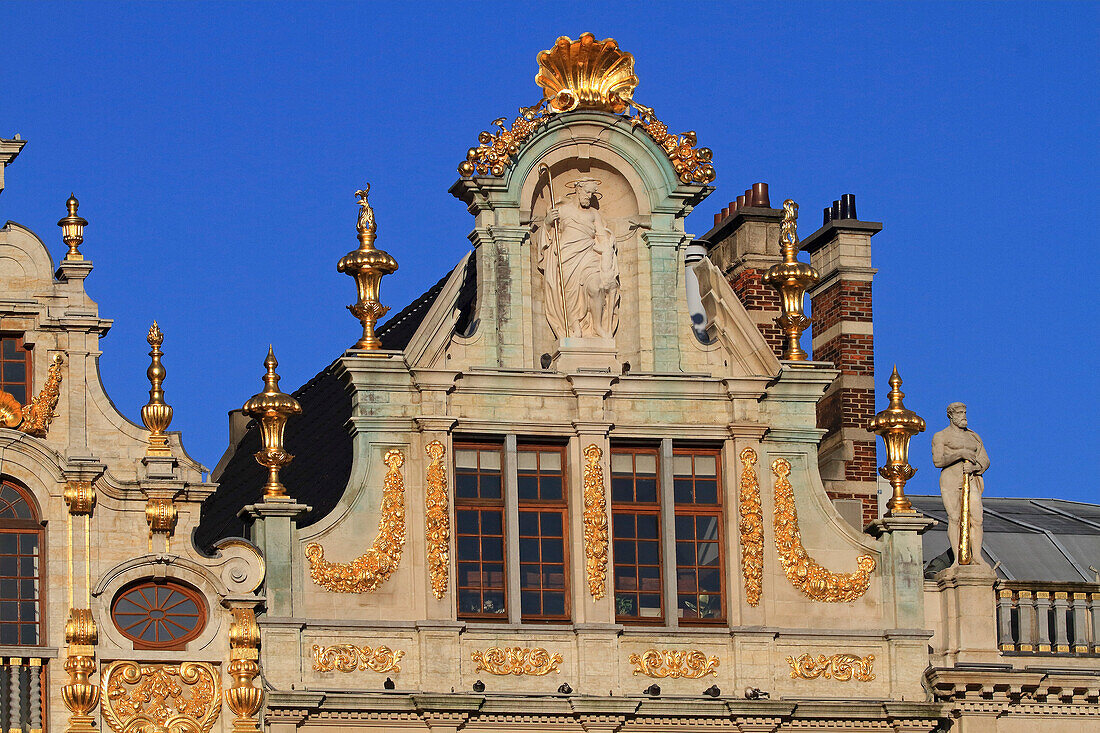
x=216 y=148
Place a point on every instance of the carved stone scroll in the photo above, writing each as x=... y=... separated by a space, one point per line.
x=803 y=571
x=595 y=522
x=349 y=657
x=840 y=667
x=149 y=697
x=752 y=528
x=690 y=664
x=516 y=661
x=437 y=519
x=367 y=572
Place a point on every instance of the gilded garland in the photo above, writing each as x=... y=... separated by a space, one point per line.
x=517 y=661
x=349 y=657
x=148 y=697
x=802 y=570
x=690 y=664
x=34 y=418
x=367 y=572
x=595 y=523
x=593 y=75
x=840 y=667
x=752 y=528
x=437 y=519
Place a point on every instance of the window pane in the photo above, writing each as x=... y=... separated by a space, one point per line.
x=465 y=485
x=528 y=461
x=490 y=460
x=9 y=588
x=465 y=459
x=529 y=549
x=622 y=463
x=553 y=604
x=491 y=522
x=646 y=489
x=528 y=488
x=622 y=489
x=531 y=603
x=28 y=543
x=645 y=464
x=29 y=635
x=550 y=461
x=8 y=541
x=550 y=488
x=9 y=634
x=682 y=491
x=647 y=526
x=15 y=371
x=490 y=486
x=681 y=466
x=11 y=349
x=705 y=465
x=552 y=550
x=706 y=527
x=706 y=491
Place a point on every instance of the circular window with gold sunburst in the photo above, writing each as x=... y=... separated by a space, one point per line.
x=159 y=615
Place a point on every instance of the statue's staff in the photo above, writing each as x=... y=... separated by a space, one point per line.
x=543 y=168
x=964 y=523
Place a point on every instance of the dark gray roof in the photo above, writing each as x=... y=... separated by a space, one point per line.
x=1050 y=540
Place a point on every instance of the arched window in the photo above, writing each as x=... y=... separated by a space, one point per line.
x=159 y=614
x=21 y=538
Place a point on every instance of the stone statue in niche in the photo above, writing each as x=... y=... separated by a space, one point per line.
x=959 y=452
x=578 y=259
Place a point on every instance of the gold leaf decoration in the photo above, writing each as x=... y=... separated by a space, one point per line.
x=595 y=523
x=516 y=661
x=803 y=571
x=437 y=519
x=149 y=697
x=349 y=657
x=369 y=571
x=35 y=417
x=243 y=697
x=840 y=667
x=752 y=528
x=675 y=663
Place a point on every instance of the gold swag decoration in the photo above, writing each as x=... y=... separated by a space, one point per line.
x=595 y=523
x=802 y=570
x=349 y=657
x=437 y=519
x=840 y=667
x=516 y=660
x=752 y=528
x=590 y=75
x=35 y=417
x=370 y=570
x=689 y=664
x=148 y=697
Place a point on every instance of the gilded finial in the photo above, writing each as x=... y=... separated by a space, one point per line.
x=156 y=415
x=367 y=265
x=72 y=229
x=792 y=279
x=272 y=408
x=897 y=425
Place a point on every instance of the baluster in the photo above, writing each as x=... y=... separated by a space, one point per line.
x=1094 y=610
x=1080 y=624
x=1027 y=622
x=15 y=709
x=1061 y=633
x=1004 y=620
x=5 y=715
x=1042 y=613
x=34 y=696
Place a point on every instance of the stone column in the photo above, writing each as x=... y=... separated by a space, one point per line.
x=970 y=629
x=275 y=533
x=511 y=528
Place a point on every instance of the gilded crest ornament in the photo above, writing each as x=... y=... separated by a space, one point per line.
x=349 y=657
x=840 y=667
x=805 y=573
x=752 y=528
x=34 y=418
x=595 y=523
x=370 y=570
x=437 y=519
x=536 y=662
x=675 y=663
x=142 y=698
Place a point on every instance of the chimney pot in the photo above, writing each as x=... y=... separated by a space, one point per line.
x=827 y=215
x=760 y=195
x=848 y=206
x=836 y=210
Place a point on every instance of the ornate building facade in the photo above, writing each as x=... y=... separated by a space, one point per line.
x=588 y=481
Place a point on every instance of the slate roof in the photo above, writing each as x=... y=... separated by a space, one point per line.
x=318 y=438
x=1050 y=540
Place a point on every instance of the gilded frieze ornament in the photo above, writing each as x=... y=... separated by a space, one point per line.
x=349 y=657
x=243 y=697
x=595 y=523
x=805 y=573
x=792 y=279
x=516 y=660
x=79 y=694
x=585 y=74
x=752 y=528
x=156 y=414
x=897 y=425
x=367 y=265
x=183 y=697
x=675 y=663
x=35 y=417
x=272 y=408
x=367 y=572
x=437 y=519
x=840 y=667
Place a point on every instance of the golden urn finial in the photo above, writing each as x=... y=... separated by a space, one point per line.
x=72 y=229
x=586 y=74
x=272 y=408
x=897 y=425
x=367 y=265
x=156 y=415
x=792 y=279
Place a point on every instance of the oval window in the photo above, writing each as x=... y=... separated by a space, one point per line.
x=159 y=615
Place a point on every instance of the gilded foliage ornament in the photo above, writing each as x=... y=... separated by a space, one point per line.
x=840 y=667
x=146 y=698
x=675 y=663
x=370 y=570
x=35 y=417
x=516 y=660
x=595 y=523
x=243 y=697
x=752 y=528
x=349 y=657
x=803 y=571
x=437 y=519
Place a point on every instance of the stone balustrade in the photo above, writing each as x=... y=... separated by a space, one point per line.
x=1048 y=618
x=22 y=698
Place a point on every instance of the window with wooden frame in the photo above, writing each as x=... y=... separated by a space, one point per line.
x=636 y=521
x=159 y=614
x=542 y=523
x=698 y=504
x=15 y=368
x=21 y=552
x=479 y=532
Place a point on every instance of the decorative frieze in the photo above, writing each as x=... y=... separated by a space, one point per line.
x=349 y=657
x=595 y=522
x=752 y=528
x=437 y=520
x=840 y=667
x=140 y=697
x=516 y=660
x=675 y=663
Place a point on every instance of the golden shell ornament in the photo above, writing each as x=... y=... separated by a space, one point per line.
x=586 y=74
